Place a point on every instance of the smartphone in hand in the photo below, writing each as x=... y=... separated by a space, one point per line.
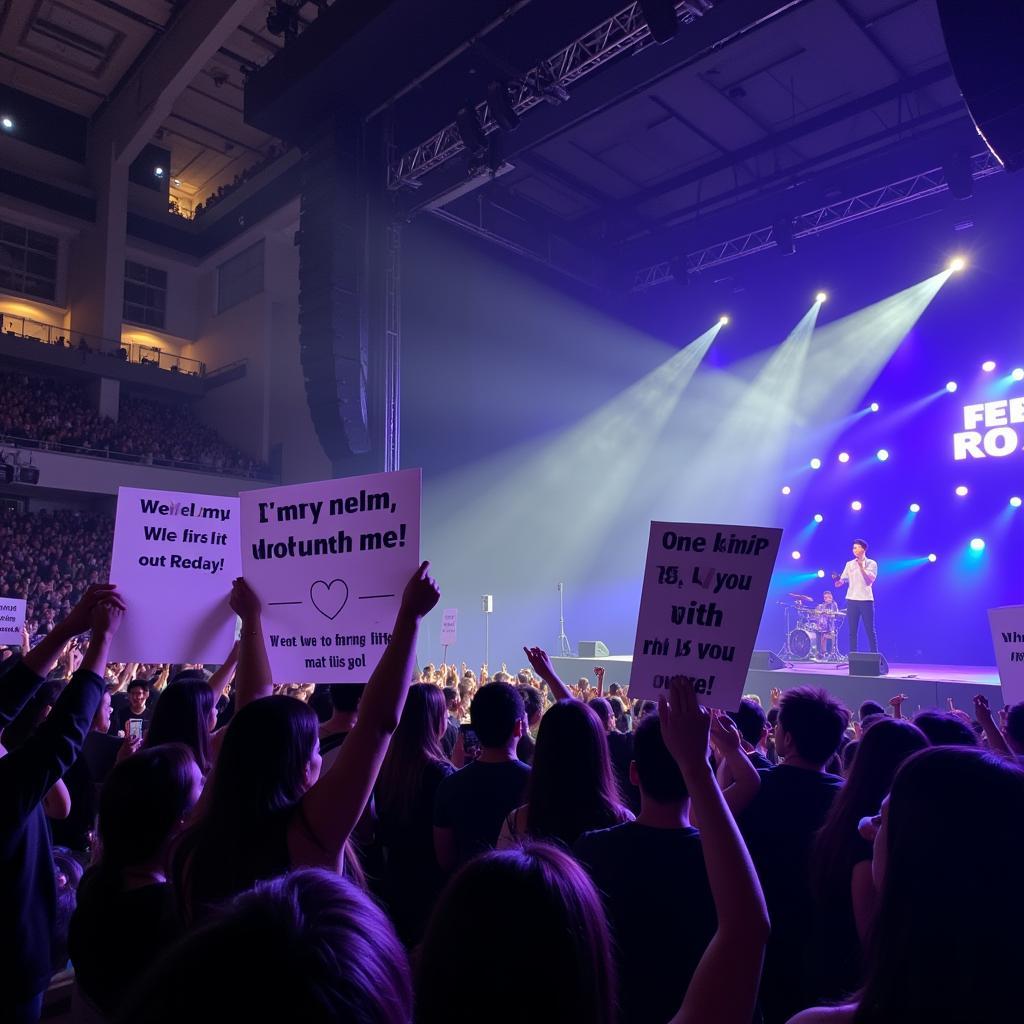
x=135 y=728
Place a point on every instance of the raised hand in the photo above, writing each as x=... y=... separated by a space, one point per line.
x=724 y=734
x=107 y=615
x=540 y=662
x=421 y=593
x=897 y=700
x=79 y=619
x=982 y=712
x=685 y=728
x=244 y=602
x=776 y=695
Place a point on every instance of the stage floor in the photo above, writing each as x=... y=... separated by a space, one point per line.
x=973 y=675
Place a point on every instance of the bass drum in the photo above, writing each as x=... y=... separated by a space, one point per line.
x=803 y=644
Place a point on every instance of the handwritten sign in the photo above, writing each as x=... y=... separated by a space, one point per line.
x=329 y=561
x=449 y=624
x=12 y=620
x=703 y=596
x=174 y=558
x=1007 y=625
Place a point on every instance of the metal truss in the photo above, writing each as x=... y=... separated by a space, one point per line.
x=888 y=197
x=547 y=81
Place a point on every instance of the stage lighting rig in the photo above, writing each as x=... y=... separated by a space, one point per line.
x=502 y=107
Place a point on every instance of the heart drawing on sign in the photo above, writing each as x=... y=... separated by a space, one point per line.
x=329 y=598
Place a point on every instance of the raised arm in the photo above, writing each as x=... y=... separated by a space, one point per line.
x=27 y=774
x=996 y=740
x=541 y=664
x=254 y=678
x=724 y=985
x=222 y=677
x=334 y=804
x=744 y=779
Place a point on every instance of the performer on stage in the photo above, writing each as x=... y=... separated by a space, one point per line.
x=827 y=611
x=860 y=574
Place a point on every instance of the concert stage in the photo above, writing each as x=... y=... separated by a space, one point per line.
x=926 y=686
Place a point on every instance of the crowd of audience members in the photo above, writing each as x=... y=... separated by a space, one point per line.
x=447 y=845
x=50 y=413
x=227 y=189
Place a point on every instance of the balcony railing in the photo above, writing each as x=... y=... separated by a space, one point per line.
x=126 y=351
x=252 y=472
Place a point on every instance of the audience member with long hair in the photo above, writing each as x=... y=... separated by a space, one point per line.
x=267 y=808
x=843 y=888
x=936 y=956
x=185 y=713
x=572 y=789
x=143 y=806
x=413 y=768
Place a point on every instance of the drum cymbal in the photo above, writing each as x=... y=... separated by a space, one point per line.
x=800 y=597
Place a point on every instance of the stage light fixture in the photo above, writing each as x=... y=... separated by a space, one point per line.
x=957 y=263
x=177 y=182
x=470 y=131
x=815 y=463
x=882 y=455
x=787 y=489
x=933 y=558
x=951 y=386
x=723 y=319
x=915 y=507
x=844 y=456
x=856 y=506
x=961 y=491
x=989 y=365
x=818 y=517
x=7 y=122
x=158 y=171
x=796 y=556
x=1018 y=373
x=821 y=574
x=977 y=544
x=821 y=297
x=874 y=407
x=501 y=106
x=1015 y=502
x=662 y=19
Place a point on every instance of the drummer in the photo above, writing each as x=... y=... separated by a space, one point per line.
x=827 y=611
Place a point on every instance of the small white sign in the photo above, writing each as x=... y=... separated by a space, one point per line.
x=1008 y=640
x=12 y=620
x=449 y=622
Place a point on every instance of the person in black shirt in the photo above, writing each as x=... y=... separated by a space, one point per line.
x=451 y=725
x=27 y=885
x=779 y=827
x=138 y=706
x=671 y=924
x=345 y=698
x=472 y=804
x=533 y=702
x=752 y=723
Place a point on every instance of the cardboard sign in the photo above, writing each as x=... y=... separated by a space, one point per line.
x=174 y=558
x=12 y=620
x=703 y=596
x=329 y=561
x=449 y=623
x=1008 y=640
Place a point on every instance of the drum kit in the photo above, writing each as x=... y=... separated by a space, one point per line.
x=812 y=634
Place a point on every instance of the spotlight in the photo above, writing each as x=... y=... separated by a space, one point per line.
x=1018 y=373
x=7 y=122
x=1015 y=502
x=989 y=365
x=815 y=463
x=933 y=558
x=856 y=506
x=177 y=182
x=961 y=491
x=796 y=556
x=844 y=456
x=158 y=171
x=723 y=319
x=501 y=106
x=915 y=507
x=874 y=407
x=471 y=131
x=787 y=489
x=818 y=517
x=882 y=455
x=821 y=297
x=977 y=544
x=957 y=263
x=821 y=574
x=951 y=386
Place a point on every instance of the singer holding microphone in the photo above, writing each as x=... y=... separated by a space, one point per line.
x=860 y=574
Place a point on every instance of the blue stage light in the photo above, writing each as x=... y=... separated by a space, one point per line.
x=856 y=506
x=933 y=558
x=1015 y=502
x=882 y=455
x=815 y=463
x=844 y=456
x=818 y=517
x=1018 y=373
x=787 y=489
x=977 y=544
x=961 y=491
x=989 y=365
x=951 y=386
x=796 y=555
x=821 y=574
x=915 y=507
x=874 y=407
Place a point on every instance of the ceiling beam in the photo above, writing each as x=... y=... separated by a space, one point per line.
x=145 y=96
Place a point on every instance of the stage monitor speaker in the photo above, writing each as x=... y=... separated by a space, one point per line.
x=984 y=40
x=592 y=649
x=28 y=474
x=865 y=663
x=765 y=661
